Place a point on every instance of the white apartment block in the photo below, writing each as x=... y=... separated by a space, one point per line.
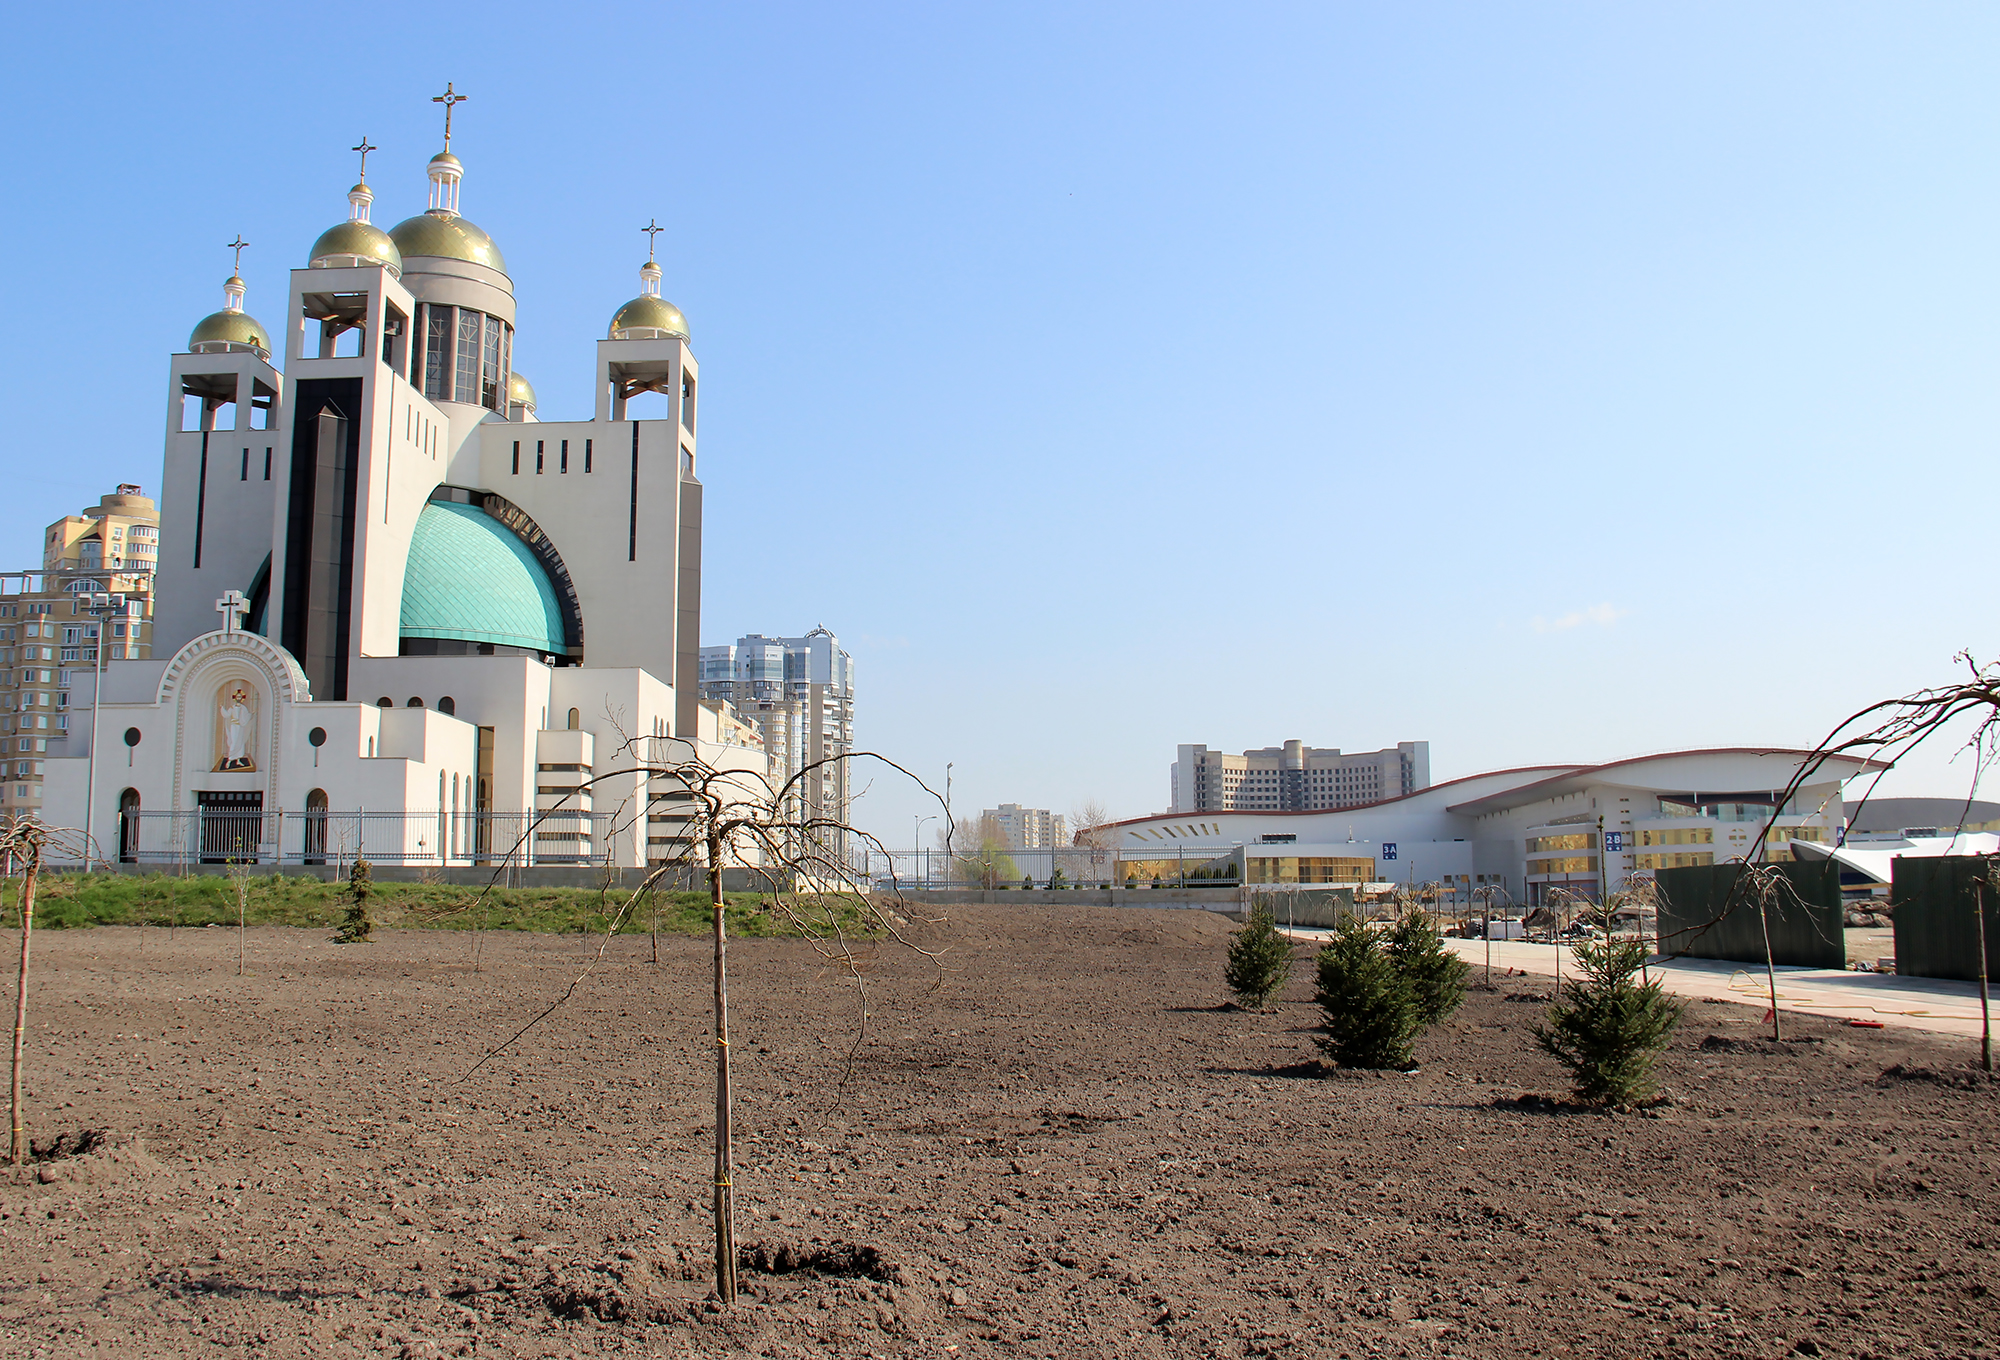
x=1027 y=828
x=1296 y=777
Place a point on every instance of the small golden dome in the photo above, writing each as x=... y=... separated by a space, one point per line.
x=351 y=243
x=647 y=317
x=444 y=160
x=447 y=236
x=226 y=331
x=520 y=392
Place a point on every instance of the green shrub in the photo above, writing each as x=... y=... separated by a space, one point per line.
x=1260 y=960
x=1370 y=1011
x=1607 y=1028
x=1436 y=975
x=357 y=925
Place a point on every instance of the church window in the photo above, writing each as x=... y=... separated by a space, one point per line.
x=267 y=463
x=448 y=705
x=437 y=352
x=575 y=720
x=539 y=444
x=562 y=464
x=491 y=380
x=586 y=455
x=244 y=475
x=415 y=702
x=465 y=378
x=385 y=702
x=517 y=458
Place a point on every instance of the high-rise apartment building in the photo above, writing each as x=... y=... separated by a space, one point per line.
x=49 y=640
x=798 y=692
x=1027 y=828
x=1296 y=777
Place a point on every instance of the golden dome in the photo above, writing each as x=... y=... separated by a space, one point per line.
x=647 y=317
x=221 y=332
x=349 y=243
x=447 y=236
x=444 y=160
x=520 y=392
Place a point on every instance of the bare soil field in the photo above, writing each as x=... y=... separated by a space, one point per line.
x=1057 y=1145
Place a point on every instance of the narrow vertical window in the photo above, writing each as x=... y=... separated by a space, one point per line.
x=491 y=384
x=267 y=463
x=517 y=458
x=244 y=476
x=437 y=352
x=538 y=457
x=562 y=463
x=586 y=455
x=465 y=375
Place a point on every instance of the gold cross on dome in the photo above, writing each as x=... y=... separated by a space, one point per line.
x=448 y=98
x=364 y=149
x=237 y=246
x=652 y=230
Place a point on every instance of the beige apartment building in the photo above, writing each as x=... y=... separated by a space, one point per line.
x=1296 y=777
x=49 y=639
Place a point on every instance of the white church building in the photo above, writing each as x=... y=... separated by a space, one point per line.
x=397 y=614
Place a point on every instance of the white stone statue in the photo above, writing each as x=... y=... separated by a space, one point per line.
x=235 y=719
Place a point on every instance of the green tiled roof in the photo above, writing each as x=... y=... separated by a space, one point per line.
x=471 y=579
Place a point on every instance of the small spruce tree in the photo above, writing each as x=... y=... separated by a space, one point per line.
x=1027 y=882
x=358 y=925
x=1370 y=1011
x=1260 y=960
x=1435 y=974
x=1607 y=1028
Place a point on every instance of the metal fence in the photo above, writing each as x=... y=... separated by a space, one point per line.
x=1079 y=866
x=312 y=836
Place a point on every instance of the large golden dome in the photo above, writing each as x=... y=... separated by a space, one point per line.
x=447 y=236
x=648 y=317
x=350 y=243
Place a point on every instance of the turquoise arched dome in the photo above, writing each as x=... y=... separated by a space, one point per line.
x=469 y=578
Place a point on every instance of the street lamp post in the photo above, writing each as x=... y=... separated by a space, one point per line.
x=101 y=607
x=917 y=847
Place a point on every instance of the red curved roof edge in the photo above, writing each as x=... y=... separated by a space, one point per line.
x=1567 y=772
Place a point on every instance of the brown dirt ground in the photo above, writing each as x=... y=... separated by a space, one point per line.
x=1058 y=1146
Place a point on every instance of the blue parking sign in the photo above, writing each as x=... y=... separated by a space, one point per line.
x=1388 y=849
x=1614 y=840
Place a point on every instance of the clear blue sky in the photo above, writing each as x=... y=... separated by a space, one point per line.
x=1549 y=382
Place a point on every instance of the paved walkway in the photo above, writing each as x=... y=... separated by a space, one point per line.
x=1916 y=1003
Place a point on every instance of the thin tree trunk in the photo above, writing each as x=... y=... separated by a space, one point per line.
x=725 y=1200
x=1770 y=972
x=654 y=898
x=19 y=1148
x=1985 y=1014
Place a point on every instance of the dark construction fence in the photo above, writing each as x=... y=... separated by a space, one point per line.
x=1807 y=924
x=1936 y=935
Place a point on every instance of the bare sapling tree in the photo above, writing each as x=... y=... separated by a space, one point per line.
x=779 y=836
x=26 y=842
x=1486 y=893
x=1985 y=883
x=1090 y=823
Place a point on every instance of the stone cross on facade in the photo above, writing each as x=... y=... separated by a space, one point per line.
x=232 y=606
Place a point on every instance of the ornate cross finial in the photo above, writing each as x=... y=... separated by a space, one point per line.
x=364 y=149
x=232 y=606
x=448 y=98
x=237 y=246
x=652 y=230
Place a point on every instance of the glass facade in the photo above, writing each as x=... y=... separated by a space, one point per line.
x=1678 y=835
x=1666 y=860
x=1310 y=869
x=1575 y=840
x=1571 y=864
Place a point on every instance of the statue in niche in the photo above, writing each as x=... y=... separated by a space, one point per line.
x=235 y=727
